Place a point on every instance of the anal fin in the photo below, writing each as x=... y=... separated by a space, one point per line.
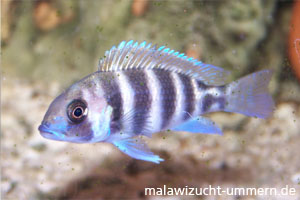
x=199 y=125
x=136 y=148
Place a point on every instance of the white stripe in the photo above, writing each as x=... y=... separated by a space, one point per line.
x=197 y=94
x=155 y=113
x=127 y=95
x=96 y=119
x=180 y=101
x=216 y=93
x=200 y=97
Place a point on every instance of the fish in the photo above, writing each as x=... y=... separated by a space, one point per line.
x=140 y=89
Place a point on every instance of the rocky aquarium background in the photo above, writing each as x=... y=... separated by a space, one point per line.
x=47 y=45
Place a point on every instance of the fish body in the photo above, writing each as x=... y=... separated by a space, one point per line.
x=140 y=90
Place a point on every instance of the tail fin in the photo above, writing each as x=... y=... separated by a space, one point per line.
x=249 y=95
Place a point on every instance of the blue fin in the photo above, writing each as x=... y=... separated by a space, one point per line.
x=136 y=148
x=131 y=55
x=199 y=125
x=249 y=95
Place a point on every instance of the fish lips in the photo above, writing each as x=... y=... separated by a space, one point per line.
x=48 y=133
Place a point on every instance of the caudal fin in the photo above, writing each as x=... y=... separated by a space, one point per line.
x=249 y=95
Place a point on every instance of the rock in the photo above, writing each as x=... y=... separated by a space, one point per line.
x=139 y=7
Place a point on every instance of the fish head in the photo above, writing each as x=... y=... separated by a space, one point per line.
x=77 y=115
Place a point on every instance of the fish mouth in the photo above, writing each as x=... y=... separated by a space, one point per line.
x=48 y=133
x=59 y=135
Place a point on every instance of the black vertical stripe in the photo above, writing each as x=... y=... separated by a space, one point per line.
x=142 y=100
x=222 y=102
x=168 y=95
x=188 y=92
x=209 y=100
x=207 y=103
x=222 y=98
x=112 y=95
x=202 y=85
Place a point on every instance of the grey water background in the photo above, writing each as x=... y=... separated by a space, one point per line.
x=48 y=45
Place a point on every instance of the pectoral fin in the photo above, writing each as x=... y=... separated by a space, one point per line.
x=136 y=148
x=139 y=119
x=199 y=125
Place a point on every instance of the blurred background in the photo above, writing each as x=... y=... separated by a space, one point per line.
x=47 y=45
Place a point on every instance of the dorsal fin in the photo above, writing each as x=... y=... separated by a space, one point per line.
x=132 y=55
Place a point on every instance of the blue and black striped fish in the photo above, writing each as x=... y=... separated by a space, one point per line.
x=140 y=90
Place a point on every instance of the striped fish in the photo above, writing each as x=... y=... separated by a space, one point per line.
x=140 y=89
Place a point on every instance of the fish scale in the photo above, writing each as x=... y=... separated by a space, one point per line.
x=167 y=94
x=189 y=93
x=112 y=93
x=137 y=79
x=142 y=99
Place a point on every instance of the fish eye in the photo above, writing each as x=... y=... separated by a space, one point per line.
x=77 y=111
